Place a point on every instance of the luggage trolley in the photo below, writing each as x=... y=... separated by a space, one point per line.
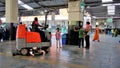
x=27 y=41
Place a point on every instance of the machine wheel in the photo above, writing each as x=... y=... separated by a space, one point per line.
x=13 y=54
x=42 y=52
x=46 y=51
x=24 y=51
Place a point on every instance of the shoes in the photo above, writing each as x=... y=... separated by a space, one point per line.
x=60 y=47
x=83 y=47
x=78 y=48
x=87 y=47
x=98 y=40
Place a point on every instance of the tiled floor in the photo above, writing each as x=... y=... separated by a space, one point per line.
x=103 y=54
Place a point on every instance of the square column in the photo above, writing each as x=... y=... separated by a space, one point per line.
x=11 y=14
x=11 y=11
x=74 y=10
x=75 y=16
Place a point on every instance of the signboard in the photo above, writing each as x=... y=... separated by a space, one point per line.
x=82 y=6
x=109 y=20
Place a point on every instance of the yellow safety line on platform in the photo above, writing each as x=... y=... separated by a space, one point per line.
x=45 y=61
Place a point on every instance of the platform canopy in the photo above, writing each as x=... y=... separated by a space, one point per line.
x=97 y=8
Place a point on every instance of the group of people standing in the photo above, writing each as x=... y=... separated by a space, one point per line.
x=84 y=34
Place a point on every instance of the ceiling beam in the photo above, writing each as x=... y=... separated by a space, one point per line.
x=93 y=2
x=41 y=6
x=55 y=7
x=2 y=3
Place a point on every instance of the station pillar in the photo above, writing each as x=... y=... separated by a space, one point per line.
x=11 y=14
x=75 y=16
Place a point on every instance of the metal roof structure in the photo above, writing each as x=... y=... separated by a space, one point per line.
x=94 y=7
x=99 y=9
x=38 y=6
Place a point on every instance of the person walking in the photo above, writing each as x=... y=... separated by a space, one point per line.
x=116 y=32
x=81 y=36
x=113 y=32
x=58 y=36
x=87 y=37
x=96 y=34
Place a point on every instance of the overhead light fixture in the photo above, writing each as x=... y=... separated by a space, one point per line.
x=104 y=1
x=105 y=23
x=115 y=4
x=94 y=16
x=45 y=11
x=20 y=2
x=27 y=7
x=111 y=13
x=97 y=23
x=112 y=7
x=111 y=10
x=24 y=5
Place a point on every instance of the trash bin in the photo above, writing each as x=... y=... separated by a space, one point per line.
x=64 y=39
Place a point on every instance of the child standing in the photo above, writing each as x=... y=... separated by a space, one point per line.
x=81 y=36
x=58 y=36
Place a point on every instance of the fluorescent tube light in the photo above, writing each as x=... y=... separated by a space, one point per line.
x=111 y=4
x=94 y=16
x=105 y=23
x=104 y=1
x=27 y=7
x=24 y=5
x=97 y=23
x=111 y=11
x=20 y=2
x=112 y=7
